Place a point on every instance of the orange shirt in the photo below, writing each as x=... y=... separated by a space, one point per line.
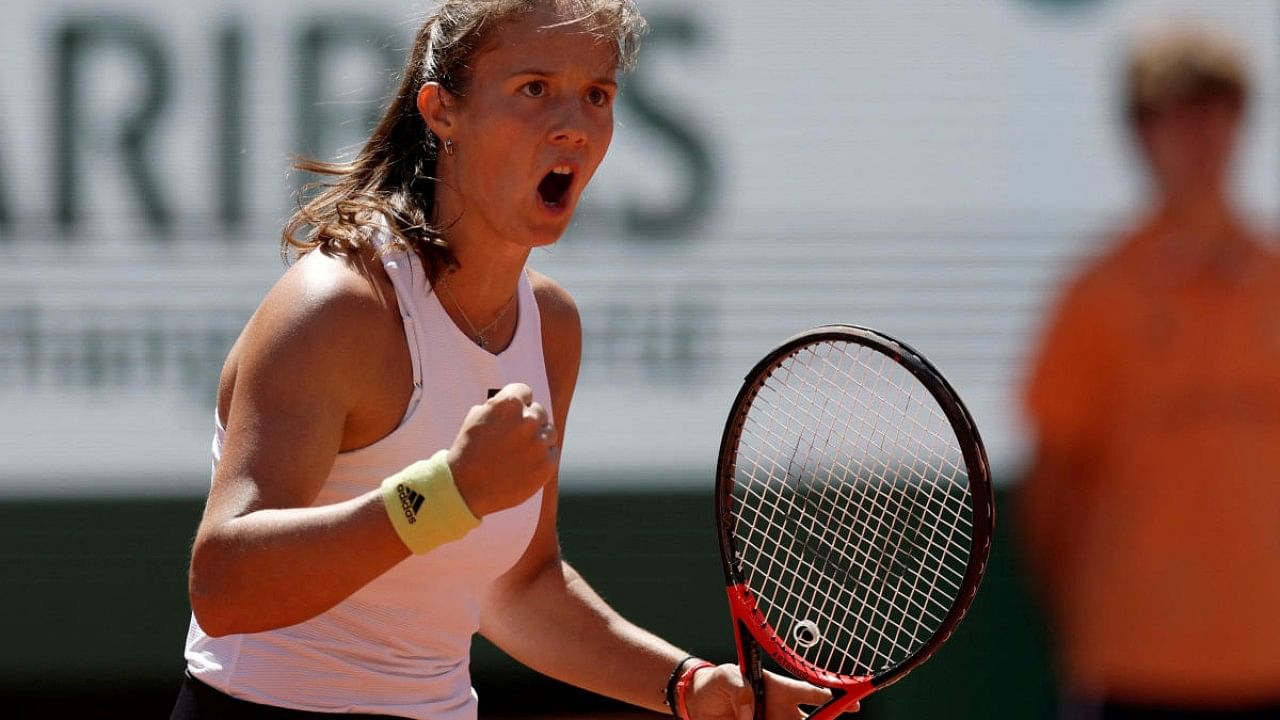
x=1162 y=376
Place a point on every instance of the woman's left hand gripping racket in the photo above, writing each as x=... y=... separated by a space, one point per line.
x=853 y=501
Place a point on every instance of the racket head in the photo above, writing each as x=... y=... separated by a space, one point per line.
x=762 y=611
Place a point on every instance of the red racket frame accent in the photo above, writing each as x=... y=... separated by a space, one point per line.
x=846 y=691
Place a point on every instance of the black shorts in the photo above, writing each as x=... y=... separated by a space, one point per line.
x=197 y=701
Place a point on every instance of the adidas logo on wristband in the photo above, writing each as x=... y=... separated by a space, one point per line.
x=410 y=502
x=425 y=491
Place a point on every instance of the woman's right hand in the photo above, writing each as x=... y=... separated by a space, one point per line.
x=506 y=451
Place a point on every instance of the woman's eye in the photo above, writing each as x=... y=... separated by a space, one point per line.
x=598 y=97
x=536 y=88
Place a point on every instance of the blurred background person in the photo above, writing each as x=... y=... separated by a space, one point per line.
x=1151 y=516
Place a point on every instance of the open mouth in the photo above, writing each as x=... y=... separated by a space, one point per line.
x=554 y=188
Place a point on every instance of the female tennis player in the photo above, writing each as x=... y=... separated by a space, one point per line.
x=390 y=420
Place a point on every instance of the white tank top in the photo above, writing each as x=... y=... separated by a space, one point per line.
x=400 y=645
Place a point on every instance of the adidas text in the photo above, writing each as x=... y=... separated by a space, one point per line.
x=410 y=502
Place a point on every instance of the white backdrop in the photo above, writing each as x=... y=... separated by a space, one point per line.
x=929 y=167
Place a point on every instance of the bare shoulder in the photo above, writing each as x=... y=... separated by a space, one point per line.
x=561 y=338
x=321 y=298
x=556 y=306
x=326 y=317
x=303 y=383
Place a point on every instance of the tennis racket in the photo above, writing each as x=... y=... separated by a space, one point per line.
x=854 y=505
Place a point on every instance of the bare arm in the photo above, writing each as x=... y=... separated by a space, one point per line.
x=584 y=642
x=296 y=386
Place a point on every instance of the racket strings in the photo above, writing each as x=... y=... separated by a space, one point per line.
x=825 y=506
x=895 y=535
x=829 y=611
x=840 y=600
x=898 y=527
x=853 y=509
x=822 y=611
x=880 y=475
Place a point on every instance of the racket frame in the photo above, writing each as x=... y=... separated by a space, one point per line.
x=752 y=631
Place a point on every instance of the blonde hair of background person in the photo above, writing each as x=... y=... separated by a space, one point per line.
x=467 y=172
x=1151 y=515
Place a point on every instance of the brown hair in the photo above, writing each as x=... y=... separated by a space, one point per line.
x=393 y=176
x=1181 y=64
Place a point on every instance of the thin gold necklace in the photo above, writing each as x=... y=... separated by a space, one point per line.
x=480 y=335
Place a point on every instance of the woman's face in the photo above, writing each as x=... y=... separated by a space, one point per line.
x=535 y=122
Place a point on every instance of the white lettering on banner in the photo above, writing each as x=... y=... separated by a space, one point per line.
x=772 y=170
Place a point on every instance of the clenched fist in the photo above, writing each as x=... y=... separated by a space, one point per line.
x=506 y=450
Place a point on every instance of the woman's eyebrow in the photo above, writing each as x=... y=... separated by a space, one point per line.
x=603 y=80
x=531 y=71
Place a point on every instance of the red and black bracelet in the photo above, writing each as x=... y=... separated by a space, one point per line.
x=669 y=694
x=679 y=683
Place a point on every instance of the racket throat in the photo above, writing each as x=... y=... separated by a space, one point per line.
x=842 y=701
x=749 y=634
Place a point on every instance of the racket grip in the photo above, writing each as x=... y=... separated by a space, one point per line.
x=749 y=664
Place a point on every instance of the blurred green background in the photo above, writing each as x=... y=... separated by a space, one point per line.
x=96 y=610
